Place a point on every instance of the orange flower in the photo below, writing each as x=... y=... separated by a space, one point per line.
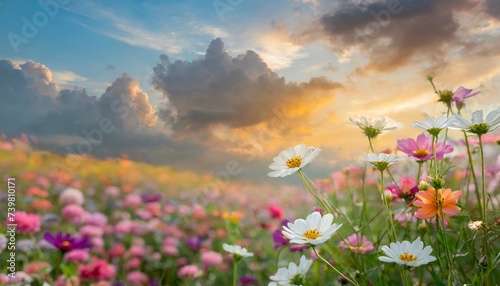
x=36 y=191
x=430 y=204
x=41 y=205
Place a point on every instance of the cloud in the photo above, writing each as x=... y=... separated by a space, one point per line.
x=67 y=78
x=390 y=33
x=32 y=102
x=235 y=92
x=277 y=49
x=492 y=7
x=110 y=67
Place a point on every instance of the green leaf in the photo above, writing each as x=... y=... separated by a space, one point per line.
x=68 y=269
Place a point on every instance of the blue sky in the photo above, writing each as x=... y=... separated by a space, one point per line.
x=321 y=62
x=85 y=37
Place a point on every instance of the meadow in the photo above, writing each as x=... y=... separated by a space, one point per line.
x=423 y=212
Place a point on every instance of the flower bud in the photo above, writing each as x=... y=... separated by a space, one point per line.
x=423 y=185
x=422 y=227
x=388 y=196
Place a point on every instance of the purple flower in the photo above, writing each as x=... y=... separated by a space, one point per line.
x=195 y=242
x=279 y=239
x=461 y=94
x=152 y=282
x=150 y=198
x=66 y=242
x=422 y=149
x=248 y=280
x=298 y=247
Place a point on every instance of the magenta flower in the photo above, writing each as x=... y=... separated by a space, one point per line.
x=407 y=189
x=357 y=243
x=279 y=239
x=421 y=149
x=66 y=242
x=461 y=94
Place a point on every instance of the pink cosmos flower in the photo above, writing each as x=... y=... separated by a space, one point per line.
x=71 y=211
x=190 y=271
x=461 y=94
x=71 y=196
x=171 y=241
x=97 y=269
x=133 y=263
x=137 y=278
x=77 y=255
x=97 y=219
x=408 y=189
x=26 y=223
x=123 y=227
x=169 y=250
x=137 y=251
x=357 y=243
x=422 y=149
x=132 y=201
x=211 y=258
x=90 y=230
x=276 y=212
x=112 y=191
x=116 y=251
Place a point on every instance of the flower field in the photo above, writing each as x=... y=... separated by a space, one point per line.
x=425 y=213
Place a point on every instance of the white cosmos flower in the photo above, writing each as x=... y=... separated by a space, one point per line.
x=293 y=275
x=375 y=126
x=313 y=230
x=382 y=160
x=406 y=253
x=237 y=250
x=478 y=123
x=434 y=126
x=292 y=159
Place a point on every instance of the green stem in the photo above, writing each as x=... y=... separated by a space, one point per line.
x=485 y=207
x=408 y=277
x=235 y=266
x=386 y=207
x=420 y=163
x=403 y=277
x=311 y=191
x=473 y=174
x=433 y=86
x=363 y=210
x=446 y=246
x=393 y=180
x=371 y=146
x=434 y=143
x=334 y=269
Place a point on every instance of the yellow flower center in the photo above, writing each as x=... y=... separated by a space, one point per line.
x=440 y=200
x=294 y=162
x=407 y=257
x=312 y=234
x=65 y=243
x=421 y=153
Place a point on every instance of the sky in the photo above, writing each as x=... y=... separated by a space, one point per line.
x=210 y=85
